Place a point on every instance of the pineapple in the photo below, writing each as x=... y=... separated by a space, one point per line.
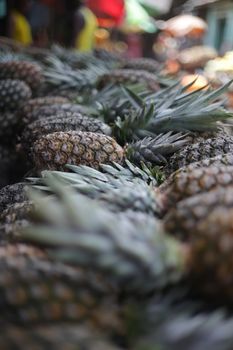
x=32 y=105
x=129 y=76
x=12 y=194
x=29 y=72
x=15 y=217
x=146 y=64
x=64 y=121
x=36 y=290
x=210 y=258
x=31 y=114
x=199 y=151
x=186 y=217
x=54 y=151
x=184 y=184
x=13 y=94
x=106 y=150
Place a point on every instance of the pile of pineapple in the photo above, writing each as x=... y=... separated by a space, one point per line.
x=116 y=199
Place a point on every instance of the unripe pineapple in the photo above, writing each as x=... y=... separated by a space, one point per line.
x=13 y=94
x=64 y=121
x=129 y=76
x=29 y=72
x=204 y=149
x=54 y=151
x=182 y=185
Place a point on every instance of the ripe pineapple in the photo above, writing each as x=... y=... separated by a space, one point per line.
x=199 y=151
x=106 y=150
x=210 y=258
x=29 y=72
x=26 y=111
x=64 y=121
x=186 y=217
x=184 y=184
x=217 y=161
x=13 y=94
x=129 y=76
x=54 y=151
x=12 y=194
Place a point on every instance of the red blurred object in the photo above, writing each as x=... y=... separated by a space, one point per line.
x=49 y=2
x=110 y=13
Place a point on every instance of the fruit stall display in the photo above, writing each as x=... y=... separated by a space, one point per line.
x=116 y=223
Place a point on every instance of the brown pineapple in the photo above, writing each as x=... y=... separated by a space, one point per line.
x=54 y=151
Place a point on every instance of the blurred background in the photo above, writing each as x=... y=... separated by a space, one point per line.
x=191 y=35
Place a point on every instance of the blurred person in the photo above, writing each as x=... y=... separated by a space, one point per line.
x=39 y=19
x=82 y=25
x=20 y=29
x=3 y=18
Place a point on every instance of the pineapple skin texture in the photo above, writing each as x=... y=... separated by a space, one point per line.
x=184 y=184
x=13 y=94
x=65 y=121
x=28 y=72
x=54 y=151
x=199 y=151
x=211 y=255
x=185 y=219
x=35 y=289
x=27 y=110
